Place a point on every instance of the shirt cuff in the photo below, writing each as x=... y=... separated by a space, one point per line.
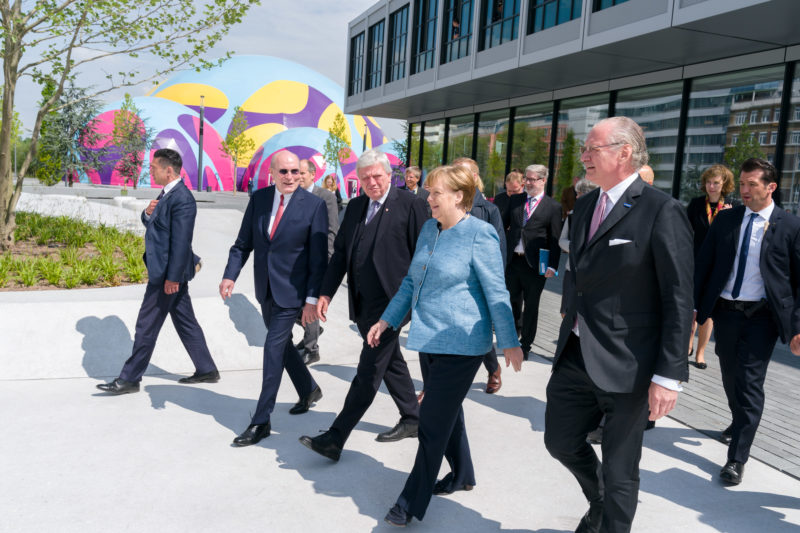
x=667 y=383
x=311 y=300
x=553 y=270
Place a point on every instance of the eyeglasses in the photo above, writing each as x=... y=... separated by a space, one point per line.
x=595 y=149
x=294 y=171
x=533 y=180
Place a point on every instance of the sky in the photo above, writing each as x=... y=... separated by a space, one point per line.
x=314 y=35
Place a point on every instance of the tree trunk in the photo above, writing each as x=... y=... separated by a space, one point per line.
x=9 y=191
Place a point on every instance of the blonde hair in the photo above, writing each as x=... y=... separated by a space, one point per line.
x=515 y=176
x=456 y=178
x=333 y=186
x=473 y=167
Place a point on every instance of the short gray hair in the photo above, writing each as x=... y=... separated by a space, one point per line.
x=627 y=131
x=374 y=157
x=540 y=170
x=584 y=186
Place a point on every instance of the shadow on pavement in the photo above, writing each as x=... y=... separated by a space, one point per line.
x=106 y=345
x=247 y=319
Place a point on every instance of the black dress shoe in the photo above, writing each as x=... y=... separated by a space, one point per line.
x=310 y=357
x=325 y=444
x=592 y=520
x=119 y=386
x=732 y=472
x=727 y=435
x=650 y=425
x=208 y=377
x=401 y=431
x=443 y=486
x=397 y=516
x=303 y=404
x=701 y=366
x=300 y=346
x=252 y=435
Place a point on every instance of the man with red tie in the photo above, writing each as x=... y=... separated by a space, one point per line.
x=286 y=228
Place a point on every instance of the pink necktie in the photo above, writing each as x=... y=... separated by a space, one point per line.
x=278 y=216
x=599 y=215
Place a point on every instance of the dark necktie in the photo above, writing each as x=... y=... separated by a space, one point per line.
x=160 y=195
x=278 y=216
x=743 y=251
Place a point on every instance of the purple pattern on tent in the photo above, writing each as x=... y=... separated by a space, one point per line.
x=211 y=114
x=169 y=139
x=308 y=117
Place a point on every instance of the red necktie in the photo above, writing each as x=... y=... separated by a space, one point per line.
x=278 y=216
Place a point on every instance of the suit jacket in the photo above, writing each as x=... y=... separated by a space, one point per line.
x=501 y=200
x=395 y=242
x=333 y=214
x=540 y=232
x=422 y=193
x=168 y=238
x=698 y=219
x=291 y=265
x=779 y=265
x=633 y=289
x=485 y=210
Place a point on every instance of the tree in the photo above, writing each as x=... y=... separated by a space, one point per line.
x=570 y=165
x=237 y=145
x=400 y=146
x=69 y=139
x=745 y=147
x=52 y=41
x=131 y=138
x=336 y=148
x=529 y=147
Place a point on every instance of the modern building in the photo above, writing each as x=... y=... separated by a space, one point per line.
x=515 y=82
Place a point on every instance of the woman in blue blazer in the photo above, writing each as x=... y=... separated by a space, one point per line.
x=456 y=292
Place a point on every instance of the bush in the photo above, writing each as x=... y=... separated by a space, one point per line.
x=51 y=270
x=87 y=271
x=107 y=268
x=69 y=256
x=71 y=278
x=135 y=270
x=27 y=272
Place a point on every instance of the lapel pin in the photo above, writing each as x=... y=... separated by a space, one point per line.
x=627 y=205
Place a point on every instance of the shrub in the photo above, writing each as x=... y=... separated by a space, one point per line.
x=51 y=270
x=71 y=278
x=107 y=268
x=27 y=272
x=87 y=271
x=69 y=256
x=135 y=270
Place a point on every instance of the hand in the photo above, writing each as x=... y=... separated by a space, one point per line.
x=151 y=207
x=794 y=345
x=662 y=400
x=171 y=287
x=513 y=357
x=549 y=273
x=309 y=314
x=226 y=288
x=322 y=307
x=375 y=332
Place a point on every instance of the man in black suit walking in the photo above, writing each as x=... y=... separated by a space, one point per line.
x=286 y=229
x=622 y=344
x=170 y=262
x=534 y=222
x=413 y=179
x=746 y=280
x=374 y=248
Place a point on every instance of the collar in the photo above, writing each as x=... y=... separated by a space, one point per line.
x=616 y=192
x=765 y=213
x=310 y=189
x=286 y=197
x=171 y=185
x=537 y=197
x=382 y=199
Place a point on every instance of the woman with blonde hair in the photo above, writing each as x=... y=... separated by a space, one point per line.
x=331 y=184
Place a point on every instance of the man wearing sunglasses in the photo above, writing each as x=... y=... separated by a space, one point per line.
x=286 y=228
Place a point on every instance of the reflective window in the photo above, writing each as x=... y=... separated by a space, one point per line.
x=657 y=110
x=459 y=137
x=499 y=22
x=416 y=130
x=543 y=14
x=356 y=64
x=375 y=55
x=457 y=29
x=433 y=147
x=531 y=141
x=424 y=35
x=575 y=118
x=491 y=152
x=790 y=177
x=599 y=5
x=398 y=31
x=713 y=132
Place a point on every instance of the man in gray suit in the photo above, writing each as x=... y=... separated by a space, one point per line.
x=309 y=346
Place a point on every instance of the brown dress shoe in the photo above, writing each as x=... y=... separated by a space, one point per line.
x=493 y=383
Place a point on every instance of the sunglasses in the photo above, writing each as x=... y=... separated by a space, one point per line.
x=294 y=171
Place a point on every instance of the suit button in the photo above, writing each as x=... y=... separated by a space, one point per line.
x=580 y=294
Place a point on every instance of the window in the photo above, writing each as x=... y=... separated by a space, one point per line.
x=796 y=113
x=795 y=138
x=433 y=145
x=773 y=138
x=491 y=152
x=762 y=138
x=777 y=116
x=765 y=113
x=734 y=139
x=398 y=31
x=356 y=64
x=543 y=14
x=531 y=141
x=375 y=55
x=753 y=116
x=740 y=118
x=576 y=117
x=457 y=29
x=459 y=137
x=599 y=5
x=424 y=35
x=499 y=22
x=416 y=131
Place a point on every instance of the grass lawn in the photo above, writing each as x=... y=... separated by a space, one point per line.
x=60 y=252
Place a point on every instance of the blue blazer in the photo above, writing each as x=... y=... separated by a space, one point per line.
x=456 y=291
x=291 y=265
x=168 y=238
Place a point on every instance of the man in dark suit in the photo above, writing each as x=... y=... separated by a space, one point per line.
x=534 y=222
x=746 y=280
x=514 y=185
x=374 y=248
x=287 y=228
x=170 y=262
x=309 y=345
x=622 y=344
x=413 y=178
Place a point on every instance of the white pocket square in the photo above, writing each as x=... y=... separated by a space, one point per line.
x=615 y=242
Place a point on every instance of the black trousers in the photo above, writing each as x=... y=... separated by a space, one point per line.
x=574 y=408
x=489 y=362
x=744 y=347
x=523 y=279
x=156 y=305
x=382 y=363
x=280 y=353
x=442 y=433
